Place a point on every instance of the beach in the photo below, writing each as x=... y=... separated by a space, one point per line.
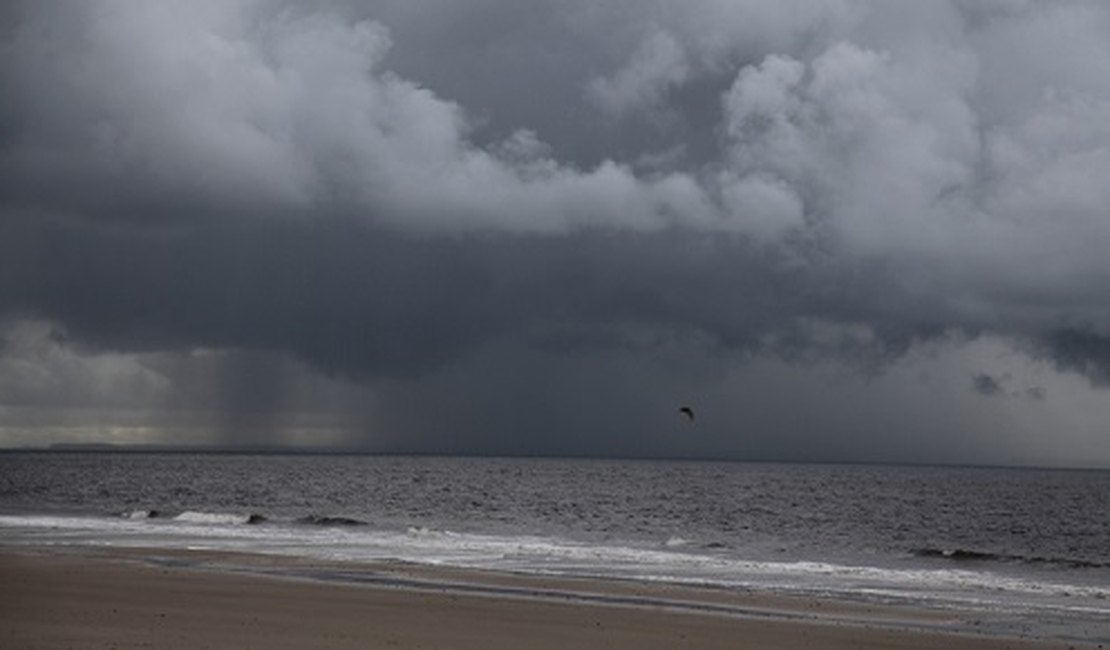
x=102 y=598
x=175 y=550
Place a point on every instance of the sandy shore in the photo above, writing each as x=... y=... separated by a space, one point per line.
x=183 y=600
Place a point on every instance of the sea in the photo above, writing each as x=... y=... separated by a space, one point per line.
x=1020 y=550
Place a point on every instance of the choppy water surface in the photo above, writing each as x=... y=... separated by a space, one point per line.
x=1035 y=543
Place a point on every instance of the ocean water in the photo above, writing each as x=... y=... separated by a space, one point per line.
x=1014 y=546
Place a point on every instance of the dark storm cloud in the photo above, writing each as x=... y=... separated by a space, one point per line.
x=1087 y=353
x=383 y=189
x=987 y=385
x=363 y=301
x=348 y=298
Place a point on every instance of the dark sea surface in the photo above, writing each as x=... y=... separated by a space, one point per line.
x=1025 y=545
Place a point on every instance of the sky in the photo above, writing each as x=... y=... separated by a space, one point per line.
x=839 y=230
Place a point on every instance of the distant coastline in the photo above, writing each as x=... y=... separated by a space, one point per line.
x=280 y=450
x=99 y=447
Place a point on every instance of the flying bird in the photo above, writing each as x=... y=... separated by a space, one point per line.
x=688 y=412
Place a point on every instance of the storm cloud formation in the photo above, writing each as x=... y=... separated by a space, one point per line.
x=456 y=198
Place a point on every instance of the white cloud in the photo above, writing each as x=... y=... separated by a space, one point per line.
x=767 y=206
x=969 y=138
x=230 y=107
x=37 y=368
x=641 y=85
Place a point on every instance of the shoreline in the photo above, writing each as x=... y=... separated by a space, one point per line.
x=60 y=596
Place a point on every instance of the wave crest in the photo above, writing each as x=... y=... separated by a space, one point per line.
x=321 y=520
x=967 y=555
x=216 y=518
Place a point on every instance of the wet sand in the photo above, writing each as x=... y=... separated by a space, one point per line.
x=131 y=599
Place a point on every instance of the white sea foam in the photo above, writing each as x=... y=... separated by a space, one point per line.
x=196 y=517
x=550 y=555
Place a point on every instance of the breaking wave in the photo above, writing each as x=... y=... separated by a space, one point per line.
x=142 y=514
x=320 y=520
x=966 y=555
x=234 y=518
x=216 y=518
